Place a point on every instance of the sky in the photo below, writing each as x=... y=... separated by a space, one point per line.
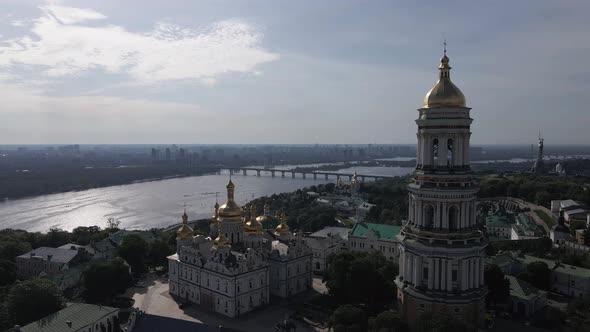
x=288 y=72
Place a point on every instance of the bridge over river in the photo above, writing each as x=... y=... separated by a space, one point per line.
x=304 y=174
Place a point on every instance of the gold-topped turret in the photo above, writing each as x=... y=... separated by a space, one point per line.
x=221 y=241
x=444 y=93
x=230 y=210
x=253 y=226
x=282 y=229
x=185 y=231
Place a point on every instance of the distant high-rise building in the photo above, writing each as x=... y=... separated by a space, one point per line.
x=441 y=249
x=168 y=154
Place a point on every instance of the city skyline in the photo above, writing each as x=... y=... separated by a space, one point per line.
x=224 y=72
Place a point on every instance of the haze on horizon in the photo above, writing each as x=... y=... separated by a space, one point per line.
x=287 y=72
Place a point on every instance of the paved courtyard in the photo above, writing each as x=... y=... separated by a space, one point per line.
x=155 y=300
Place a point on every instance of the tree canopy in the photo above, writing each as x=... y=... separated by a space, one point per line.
x=348 y=318
x=440 y=322
x=498 y=285
x=538 y=275
x=387 y=321
x=359 y=277
x=33 y=299
x=134 y=250
x=104 y=280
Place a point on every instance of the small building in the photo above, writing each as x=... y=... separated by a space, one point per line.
x=104 y=248
x=559 y=232
x=363 y=210
x=498 y=226
x=526 y=300
x=525 y=228
x=572 y=210
x=77 y=317
x=47 y=261
x=326 y=242
x=380 y=237
x=566 y=279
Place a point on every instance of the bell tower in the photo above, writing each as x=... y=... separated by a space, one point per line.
x=441 y=247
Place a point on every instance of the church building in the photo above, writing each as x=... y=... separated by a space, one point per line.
x=239 y=265
x=441 y=248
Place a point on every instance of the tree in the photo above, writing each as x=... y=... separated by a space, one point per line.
x=358 y=277
x=33 y=299
x=57 y=237
x=104 y=280
x=113 y=224
x=575 y=225
x=82 y=235
x=348 y=318
x=538 y=275
x=11 y=248
x=440 y=322
x=7 y=272
x=388 y=321
x=158 y=253
x=498 y=285
x=134 y=250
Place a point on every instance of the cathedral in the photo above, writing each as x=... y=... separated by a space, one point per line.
x=240 y=265
x=441 y=249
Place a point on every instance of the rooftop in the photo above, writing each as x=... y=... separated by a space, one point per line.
x=497 y=220
x=522 y=289
x=79 y=314
x=323 y=233
x=153 y=323
x=57 y=254
x=387 y=232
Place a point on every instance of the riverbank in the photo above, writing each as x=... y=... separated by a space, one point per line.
x=31 y=183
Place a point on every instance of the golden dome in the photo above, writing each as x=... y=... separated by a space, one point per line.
x=230 y=209
x=221 y=241
x=354 y=178
x=253 y=226
x=444 y=93
x=185 y=231
x=282 y=228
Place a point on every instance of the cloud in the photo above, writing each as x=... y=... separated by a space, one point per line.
x=63 y=43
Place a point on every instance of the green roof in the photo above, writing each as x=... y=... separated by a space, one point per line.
x=498 y=221
x=81 y=315
x=386 y=232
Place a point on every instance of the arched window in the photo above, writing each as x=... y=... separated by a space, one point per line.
x=450 y=152
x=428 y=216
x=434 y=151
x=453 y=217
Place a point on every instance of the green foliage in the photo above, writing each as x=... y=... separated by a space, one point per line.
x=546 y=218
x=301 y=210
x=538 y=275
x=11 y=247
x=575 y=225
x=540 y=190
x=387 y=321
x=33 y=299
x=82 y=235
x=134 y=250
x=390 y=197
x=498 y=285
x=7 y=272
x=348 y=318
x=158 y=252
x=429 y=322
x=538 y=247
x=104 y=280
x=358 y=277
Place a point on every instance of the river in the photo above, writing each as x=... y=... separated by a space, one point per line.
x=155 y=203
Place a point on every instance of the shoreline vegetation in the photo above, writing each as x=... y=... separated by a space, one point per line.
x=38 y=183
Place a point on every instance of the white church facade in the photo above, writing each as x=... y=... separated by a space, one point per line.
x=242 y=266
